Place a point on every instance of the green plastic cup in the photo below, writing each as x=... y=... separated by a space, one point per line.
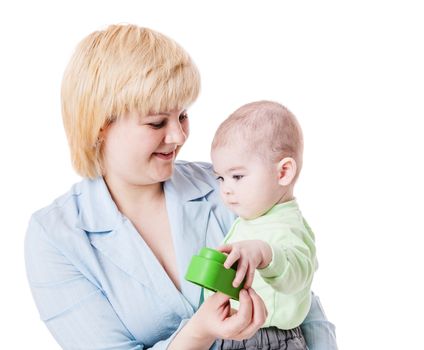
x=207 y=270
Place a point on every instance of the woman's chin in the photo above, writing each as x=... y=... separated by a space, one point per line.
x=164 y=174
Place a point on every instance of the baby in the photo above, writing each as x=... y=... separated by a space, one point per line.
x=257 y=158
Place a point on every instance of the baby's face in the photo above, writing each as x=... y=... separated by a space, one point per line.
x=249 y=185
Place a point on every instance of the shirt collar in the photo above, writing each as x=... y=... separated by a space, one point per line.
x=99 y=213
x=187 y=185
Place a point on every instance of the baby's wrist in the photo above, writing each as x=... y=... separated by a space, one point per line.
x=266 y=252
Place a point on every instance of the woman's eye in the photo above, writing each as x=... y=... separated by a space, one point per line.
x=237 y=177
x=157 y=125
x=220 y=178
x=183 y=116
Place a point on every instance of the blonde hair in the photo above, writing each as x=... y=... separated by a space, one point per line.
x=122 y=68
x=268 y=129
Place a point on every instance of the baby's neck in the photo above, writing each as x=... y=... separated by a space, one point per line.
x=286 y=196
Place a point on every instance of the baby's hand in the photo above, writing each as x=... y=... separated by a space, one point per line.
x=250 y=254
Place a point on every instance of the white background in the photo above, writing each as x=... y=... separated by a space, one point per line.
x=352 y=72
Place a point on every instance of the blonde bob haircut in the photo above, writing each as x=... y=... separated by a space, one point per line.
x=120 y=69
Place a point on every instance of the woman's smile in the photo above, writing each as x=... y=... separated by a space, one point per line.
x=165 y=156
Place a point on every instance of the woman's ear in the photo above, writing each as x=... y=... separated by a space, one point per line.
x=99 y=140
x=286 y=171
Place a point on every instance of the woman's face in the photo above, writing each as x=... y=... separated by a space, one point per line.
x=141 y=150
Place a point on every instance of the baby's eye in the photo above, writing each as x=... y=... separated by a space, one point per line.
x=238 y=177
x=219 y=178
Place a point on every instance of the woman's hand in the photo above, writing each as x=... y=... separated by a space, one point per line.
x=215 y=318
x=250 y=255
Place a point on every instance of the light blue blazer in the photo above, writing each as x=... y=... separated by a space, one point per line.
x=96 y=283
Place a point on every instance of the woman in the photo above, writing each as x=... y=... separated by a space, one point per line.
x=106 y=260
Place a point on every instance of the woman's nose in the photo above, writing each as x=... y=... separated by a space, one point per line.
x=175 y=134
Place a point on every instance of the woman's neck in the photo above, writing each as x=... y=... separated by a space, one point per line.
x=132 y=198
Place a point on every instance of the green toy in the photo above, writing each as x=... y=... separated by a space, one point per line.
x=207 y=270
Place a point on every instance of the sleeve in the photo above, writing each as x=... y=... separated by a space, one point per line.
x=293 y=261
x=320 y=334
x=76 y=311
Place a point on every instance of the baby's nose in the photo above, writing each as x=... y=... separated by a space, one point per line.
x=226 y=190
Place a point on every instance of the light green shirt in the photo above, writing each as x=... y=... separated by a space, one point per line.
x=285 y=284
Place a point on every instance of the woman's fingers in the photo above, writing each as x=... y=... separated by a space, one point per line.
x=219 y=298
x=250 y=316
x=221 y=302
x=239 y=320
x=259 y=315
x=260 y=312
x=245 y=307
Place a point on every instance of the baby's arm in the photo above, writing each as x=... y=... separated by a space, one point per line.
x=285 y=259
x=293 y=261
x=250 y=255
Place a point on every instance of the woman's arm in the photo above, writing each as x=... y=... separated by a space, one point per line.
x=75 y=310
x=320 y=334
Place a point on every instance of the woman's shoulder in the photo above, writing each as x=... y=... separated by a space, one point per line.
x=194 y=174
x=197 y=181
x=63 y=218
x=200 y=167
x=59 y=205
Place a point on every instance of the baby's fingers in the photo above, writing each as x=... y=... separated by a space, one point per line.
x=241 y=272
x=231 y=258
x=225 y=248
x=250 y=274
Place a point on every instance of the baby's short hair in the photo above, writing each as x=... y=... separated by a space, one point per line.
x=121 y=69
x=268 y=129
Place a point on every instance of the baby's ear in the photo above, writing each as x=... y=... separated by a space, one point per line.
x=286 y=171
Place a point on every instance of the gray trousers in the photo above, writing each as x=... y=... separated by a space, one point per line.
x=270 y=338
